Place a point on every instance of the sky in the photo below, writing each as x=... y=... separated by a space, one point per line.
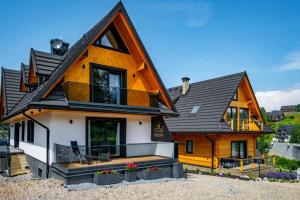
x=200 y=39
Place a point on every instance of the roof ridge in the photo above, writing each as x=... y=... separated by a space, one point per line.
x=211 y=79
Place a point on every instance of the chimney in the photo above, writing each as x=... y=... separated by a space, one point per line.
x=185 y=85
x=59 y=47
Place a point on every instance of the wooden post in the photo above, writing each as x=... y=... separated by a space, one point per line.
x=274 y=161
x=241 y=166
x=231 y=123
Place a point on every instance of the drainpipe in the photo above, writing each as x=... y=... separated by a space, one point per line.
x=48 y=143
x=212 y=152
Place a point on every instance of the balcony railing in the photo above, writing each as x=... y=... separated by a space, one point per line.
x=244 y=124
x=81 y=153
x=83 y=92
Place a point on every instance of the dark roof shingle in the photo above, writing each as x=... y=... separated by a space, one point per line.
x=12 y=88
x=213 y=96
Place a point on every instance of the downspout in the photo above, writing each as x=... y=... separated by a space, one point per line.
x=212 y=152
x=48 y=142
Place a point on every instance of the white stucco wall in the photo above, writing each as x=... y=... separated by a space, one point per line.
x=138 y=130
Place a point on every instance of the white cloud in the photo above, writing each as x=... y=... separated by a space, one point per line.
x=273 y=100
x=292 y=62
x=193 y=13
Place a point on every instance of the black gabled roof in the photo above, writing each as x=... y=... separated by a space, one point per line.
x=45 y=63
x=42 y=59
x=11 y=86
x=213 y=96
x=77 y=49
x=25 y=73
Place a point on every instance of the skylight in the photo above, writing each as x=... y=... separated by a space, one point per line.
x=195 y=109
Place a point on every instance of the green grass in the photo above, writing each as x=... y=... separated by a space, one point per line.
x=289 y=119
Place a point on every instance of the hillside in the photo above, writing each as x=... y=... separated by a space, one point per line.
x=289 y=119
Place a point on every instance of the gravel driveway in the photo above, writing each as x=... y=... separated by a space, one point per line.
x=196 y=187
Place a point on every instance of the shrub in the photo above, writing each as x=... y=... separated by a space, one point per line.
x=281 y=175
x=285 y=163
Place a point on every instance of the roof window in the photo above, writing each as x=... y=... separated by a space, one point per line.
x=195 y=109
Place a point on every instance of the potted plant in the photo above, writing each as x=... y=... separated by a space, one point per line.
x=131 y=173
x=107 y=177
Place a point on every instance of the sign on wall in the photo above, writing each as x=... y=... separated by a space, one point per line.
x=159 y=130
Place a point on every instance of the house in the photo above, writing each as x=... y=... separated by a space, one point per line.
x=219 y=119
x=283 y=133
x=275 y=115
x=103 y=93
x=287 y=109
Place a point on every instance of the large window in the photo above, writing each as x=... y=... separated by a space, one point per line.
x=111 y=39
x=108 y=85
x=239 y=149
x=244 y=119
x=231 y=115
x=30 y=131
x=189 y=146
x=23 y=132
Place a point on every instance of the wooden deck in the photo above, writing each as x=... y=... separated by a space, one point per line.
x=114 y=161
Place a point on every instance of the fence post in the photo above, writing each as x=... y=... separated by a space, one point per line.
x=274 y=161
x=241 y=166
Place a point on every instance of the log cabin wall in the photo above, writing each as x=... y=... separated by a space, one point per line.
x=201 y=155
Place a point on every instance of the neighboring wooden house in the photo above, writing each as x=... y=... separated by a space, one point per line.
x=283 y=133
x=289 y=108
x=275 y=115
x=219 y=118
x=104 y=91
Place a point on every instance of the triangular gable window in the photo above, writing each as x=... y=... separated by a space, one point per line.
x=111 y=39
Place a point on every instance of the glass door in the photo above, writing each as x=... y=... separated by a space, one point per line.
x=239 y=149
x=106 y=134
x=107 y=85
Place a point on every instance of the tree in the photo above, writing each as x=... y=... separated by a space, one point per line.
x=264 y=143
x=298 y=108
x=264 y=115
x=4 y=129
x=295 y=137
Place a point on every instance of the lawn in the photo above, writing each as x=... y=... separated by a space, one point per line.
x=289 y=119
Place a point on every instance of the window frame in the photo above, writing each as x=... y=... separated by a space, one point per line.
x=235 y=96
x=23 y=132
x=187 y=144
x=30 y=131
x=238 y=152
x=113 y=29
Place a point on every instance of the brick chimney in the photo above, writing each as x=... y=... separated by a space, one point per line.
x=185 y=85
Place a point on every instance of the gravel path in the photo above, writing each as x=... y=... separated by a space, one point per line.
x=196 y=187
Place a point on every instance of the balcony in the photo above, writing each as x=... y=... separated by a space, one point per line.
x=83 y=92
x=245 y=124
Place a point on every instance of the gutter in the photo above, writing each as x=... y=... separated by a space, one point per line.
x=212 y=152
x=47 y=141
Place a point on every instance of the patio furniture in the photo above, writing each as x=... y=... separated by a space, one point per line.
x=77 y=153
x=104 y=152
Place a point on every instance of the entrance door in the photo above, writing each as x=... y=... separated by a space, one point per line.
x=16 y=135
x=107 y=133
x=239 y=149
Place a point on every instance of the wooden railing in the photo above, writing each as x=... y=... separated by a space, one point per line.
x=243 y=164
x=245 y=124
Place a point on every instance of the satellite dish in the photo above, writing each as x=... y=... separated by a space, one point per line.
x=56 y=43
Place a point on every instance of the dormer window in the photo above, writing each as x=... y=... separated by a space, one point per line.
x=235 y=97
x=111 y=39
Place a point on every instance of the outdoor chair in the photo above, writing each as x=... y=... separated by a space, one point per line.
x=78 y=153
x=104 y=152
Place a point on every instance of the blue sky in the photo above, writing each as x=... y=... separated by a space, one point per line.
x=199 y=39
